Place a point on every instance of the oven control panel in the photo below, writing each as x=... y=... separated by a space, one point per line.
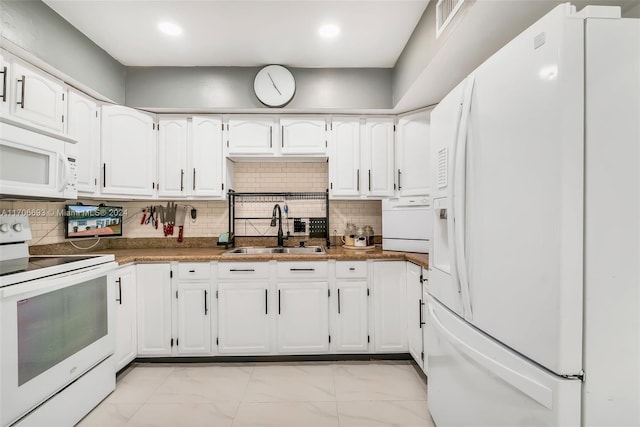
x=14 y=228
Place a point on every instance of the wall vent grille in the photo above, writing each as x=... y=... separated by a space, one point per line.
x=445 y=11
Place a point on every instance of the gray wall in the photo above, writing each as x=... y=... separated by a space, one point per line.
x=231 y=88
x=33 y=27
x=416 y=54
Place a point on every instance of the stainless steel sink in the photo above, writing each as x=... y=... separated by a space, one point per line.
x=251 y=250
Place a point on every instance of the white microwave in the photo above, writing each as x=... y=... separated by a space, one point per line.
x=36 y=165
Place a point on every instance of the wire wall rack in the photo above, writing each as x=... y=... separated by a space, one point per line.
x=318 y=226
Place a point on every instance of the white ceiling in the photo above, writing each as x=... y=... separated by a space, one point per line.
x=246 y=33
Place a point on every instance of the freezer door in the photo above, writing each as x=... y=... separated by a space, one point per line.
x=524 y=188
x=475 y=381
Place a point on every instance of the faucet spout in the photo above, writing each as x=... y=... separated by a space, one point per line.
x=279 y=219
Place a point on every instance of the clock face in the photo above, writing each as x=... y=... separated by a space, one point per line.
x=274 y=86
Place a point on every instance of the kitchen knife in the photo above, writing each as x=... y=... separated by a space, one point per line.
x=180 y=222
x=161 y=218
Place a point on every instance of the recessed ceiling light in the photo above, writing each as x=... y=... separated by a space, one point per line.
x=170 y=28
x=329 y=30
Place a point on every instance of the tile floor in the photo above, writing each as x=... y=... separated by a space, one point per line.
x=301 y=394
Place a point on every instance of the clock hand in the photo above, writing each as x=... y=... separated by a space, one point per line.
x=273 y=83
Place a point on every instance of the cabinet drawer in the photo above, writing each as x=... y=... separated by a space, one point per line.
x=348 y=269
x=243 y=270
x=302 y=269
x=194 y=270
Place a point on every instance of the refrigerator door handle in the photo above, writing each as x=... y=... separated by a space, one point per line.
x=459 y=199
x=539 y=392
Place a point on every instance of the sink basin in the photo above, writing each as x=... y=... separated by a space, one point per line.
x=307 y=250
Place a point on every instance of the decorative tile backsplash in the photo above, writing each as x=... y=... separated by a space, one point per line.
x=212 y=216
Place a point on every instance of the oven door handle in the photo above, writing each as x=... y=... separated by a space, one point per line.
x=58 y=281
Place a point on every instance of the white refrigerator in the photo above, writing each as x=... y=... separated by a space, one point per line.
x=534 y=302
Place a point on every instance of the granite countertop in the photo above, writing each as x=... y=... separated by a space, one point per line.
x=126 y=256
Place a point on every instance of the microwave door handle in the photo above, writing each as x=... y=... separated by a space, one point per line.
x=66 y=171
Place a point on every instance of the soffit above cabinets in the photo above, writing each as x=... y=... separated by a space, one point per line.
x=247 y=32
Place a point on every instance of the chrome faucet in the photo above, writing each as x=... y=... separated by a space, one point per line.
x=279 y=219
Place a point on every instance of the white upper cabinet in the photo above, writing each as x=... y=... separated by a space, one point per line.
x=5 y=81
x=35 y=97
x=172 y=156
x=377 y=158
x=128 y=152
x=303 y=135
x=251 y=136
x=206 y=158
x=83 y=125
x=361 y=158
x=344 y=158
x=412 y=155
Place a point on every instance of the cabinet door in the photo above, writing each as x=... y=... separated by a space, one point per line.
x=303 y=317
x=124 y=280
x=244 y=318
x=413 y=154
x=128 y=150
x=194 y=318
x=154 y=309
x=250 y=136
x=207 y=159
x=344 y=160
x=389 y=305
x=377 y=158
x=414 y=312
x=425 y=349
x=83 y=125
x=303 y=136
x=351 y=314
x=38 y=98
x=5 y=83
x=172 y=158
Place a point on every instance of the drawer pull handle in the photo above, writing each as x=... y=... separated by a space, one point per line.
x=192 y=271
x=302 y=269
x=352 y=269
x=242 y=269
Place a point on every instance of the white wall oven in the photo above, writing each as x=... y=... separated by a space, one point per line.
x=56 y=324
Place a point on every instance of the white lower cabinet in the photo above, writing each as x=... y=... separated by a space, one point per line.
x=244 y=318
x=351 y=314
x=174 y=310
x=415 y=315
x=193 y=318
x=124 y=280
x=425 y=317
x=389 y=307
x=350 y=308
x=260 y=308
x=154 y=309
x=303 y=317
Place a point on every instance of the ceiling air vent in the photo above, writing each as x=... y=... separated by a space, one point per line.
x=445 y=11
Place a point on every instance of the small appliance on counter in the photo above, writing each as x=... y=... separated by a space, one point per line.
x=407 y=224
x=358 y=237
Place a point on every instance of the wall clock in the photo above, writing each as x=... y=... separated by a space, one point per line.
x=274 y=86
